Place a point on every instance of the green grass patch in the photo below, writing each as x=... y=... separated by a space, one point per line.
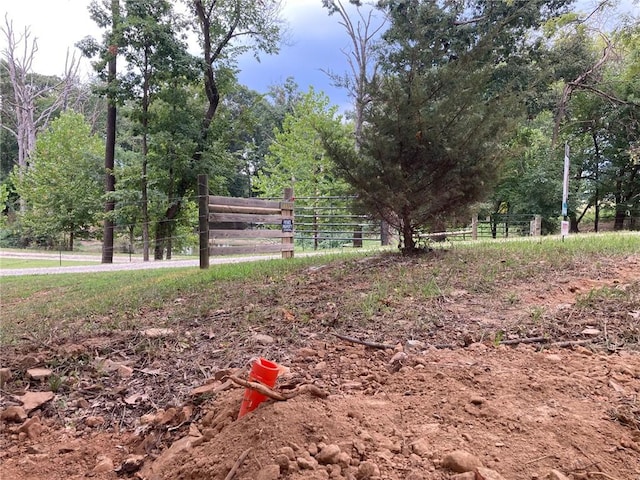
x=63 y=305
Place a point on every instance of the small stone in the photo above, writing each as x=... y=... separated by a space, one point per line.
x=5 y=375
x=556 y=475
x=124 y=371
x=487 y=474
x=13 y=414
x=328 y=455
x=464 y=476
x=262 y=339
x=32 y=428
x=553 y=357
x=32 y=400
x=421 y=447
x=306 y=352
x=461 y=461
x=591 y=332
x=269 y=472
x=157 y=332
x=477 y=400
x=306 y=463
x=288 y=451
x=104 y=465
x=283 y=461
x=94 y=421
x=343 y=459
x=39 y=373
x=415 y=475
x=367 y=470
x=132 y=464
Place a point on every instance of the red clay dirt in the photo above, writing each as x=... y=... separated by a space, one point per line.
x=520 y=411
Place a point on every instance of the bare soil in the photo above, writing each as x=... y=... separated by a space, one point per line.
x=534 y=371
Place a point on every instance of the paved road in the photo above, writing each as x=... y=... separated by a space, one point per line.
x=120 y=263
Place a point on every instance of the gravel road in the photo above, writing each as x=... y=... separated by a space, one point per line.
x=120 y=263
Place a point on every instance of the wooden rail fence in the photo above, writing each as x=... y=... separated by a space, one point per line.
x=236 y=226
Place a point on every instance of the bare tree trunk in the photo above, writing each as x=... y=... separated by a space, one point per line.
x=110 y=148
x=19 y=55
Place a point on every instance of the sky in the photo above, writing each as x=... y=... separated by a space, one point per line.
x=315 y=44
x=316 y=41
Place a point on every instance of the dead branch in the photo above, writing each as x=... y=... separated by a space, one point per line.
x=569 y=343
x=239 y=462
x=518 y=341
x=383 y=346
x=279 y=396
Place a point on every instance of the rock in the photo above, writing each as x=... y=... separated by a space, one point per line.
x=461 y=461
x=343 y=459
x=131 y=464
x=262 y=339
x=415 y=344
x=39 y=373
x=270 y=472
x=328 y=455
x=32 y=428
x=5 y=375
x=94 y=421
x=288 y=451
x=464 y=476
x=283 y=462
x=592 y=332
x=104 y=465
x=367 y=470
x=13 y=414
x=415 y=475
x=556 y=475
x=487 y=474
x=306 y=463
x=421 y=447
x=32 y=400
x=157 y=332
x=306 y=352
x=124 y=371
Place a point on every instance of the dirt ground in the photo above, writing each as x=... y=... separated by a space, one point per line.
x=533 y=377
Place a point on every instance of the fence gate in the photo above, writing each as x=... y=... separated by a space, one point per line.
x=235 y=226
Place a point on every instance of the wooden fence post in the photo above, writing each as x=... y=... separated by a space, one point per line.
x=474 y=227
x=203 y=220
x=537 y=225
x=287 y=218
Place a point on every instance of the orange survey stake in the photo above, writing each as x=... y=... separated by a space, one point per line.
x=262 y=371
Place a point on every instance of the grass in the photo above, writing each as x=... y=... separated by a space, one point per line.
x=51 y=306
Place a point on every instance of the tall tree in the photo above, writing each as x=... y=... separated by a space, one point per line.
x=106 y=14
x=362 y=31
x=62 y=190
x=453 y=77
x=226 y=28
x=155 y=55
x=31 y=100
x=297 y=158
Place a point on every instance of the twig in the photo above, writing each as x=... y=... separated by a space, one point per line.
x=383 y=346
x=267 y=392
x=517 y=341
x=232 y=472
x=570 y=343
x=537 y=459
